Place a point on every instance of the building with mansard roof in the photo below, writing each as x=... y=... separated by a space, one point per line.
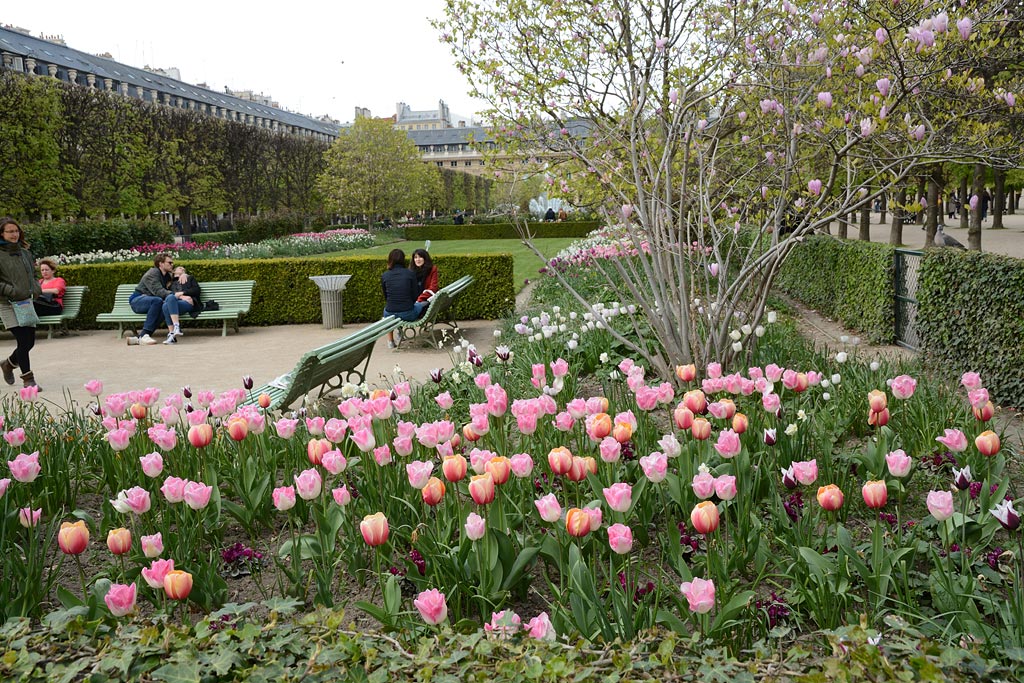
x=24 y=53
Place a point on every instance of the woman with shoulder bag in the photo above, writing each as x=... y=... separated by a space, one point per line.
x=18 y=287
x=51 y=301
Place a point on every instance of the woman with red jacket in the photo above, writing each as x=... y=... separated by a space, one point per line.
x=426 y=274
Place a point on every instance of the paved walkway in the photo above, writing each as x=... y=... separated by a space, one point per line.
x=205 y=360
x=1008 y=241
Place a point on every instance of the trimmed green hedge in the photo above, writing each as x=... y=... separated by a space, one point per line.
x=851 y=281
x=498 y=231
x=284 y=294
x=223 y=237
x=52 y=239
x=276 y=224
x=970 y=316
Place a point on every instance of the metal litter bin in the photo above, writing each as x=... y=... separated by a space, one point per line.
x=331 y=288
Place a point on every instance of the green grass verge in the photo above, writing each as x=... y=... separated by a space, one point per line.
x=526 y=263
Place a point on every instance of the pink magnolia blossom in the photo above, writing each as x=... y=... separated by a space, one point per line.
x=964 y=26
x=825 y=99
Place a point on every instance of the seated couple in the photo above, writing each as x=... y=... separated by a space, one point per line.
x=408 y=290
x=163 y=294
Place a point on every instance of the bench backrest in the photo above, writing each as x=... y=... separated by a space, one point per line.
x=73 y=300
x=233 y=295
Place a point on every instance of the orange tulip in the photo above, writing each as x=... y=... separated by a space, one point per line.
x=481 y=488
x=560 y=460
x=177 y=584
x=695 y=401
x=138 y=411
x=238 y=428
x=740 y=423
x=577 y=522
x=73 y=538
x=801 y=382
x=200 y=435
x=875 y=494
x=730 y=407
x=984 y=413
x=599 y=426
x=590 y=464
x=686 y=373
x=119 y=541
x=683 y=417
x=500 y=469
x=469 y=434
x=622 y=432
x=987 y=443
x=316 y=448
x=433 y=492
x=374 y=529
x=701 y=429
x=704 y=517
x=878 y=419
x=454 y=468
x=578 y=471
x=264 y=401
x=877 y=400
x=830 y=497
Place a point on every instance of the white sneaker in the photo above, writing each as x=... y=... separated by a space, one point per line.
x=177 y=332
x=146 y=340
x=133 y=341
x=171 y=339
x=391 y=344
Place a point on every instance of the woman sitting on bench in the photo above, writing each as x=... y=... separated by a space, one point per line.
x=426 y=274
x=52 y=300
x=400 y=292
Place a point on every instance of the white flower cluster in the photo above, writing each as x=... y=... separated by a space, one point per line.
x=98 y=257
x=546 y=326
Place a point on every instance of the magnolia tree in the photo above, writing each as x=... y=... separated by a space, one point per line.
x=718 y=134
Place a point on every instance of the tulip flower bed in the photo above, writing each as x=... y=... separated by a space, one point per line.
x=548 y=491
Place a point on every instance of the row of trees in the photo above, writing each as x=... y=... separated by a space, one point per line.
x=70 y=151
x=713 y=124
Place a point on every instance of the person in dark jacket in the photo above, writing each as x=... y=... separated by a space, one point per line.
x=186 y=290
x=153 y=297
x=18 y=286
x=400 y=291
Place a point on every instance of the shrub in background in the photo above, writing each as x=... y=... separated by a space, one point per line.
x=970 y=316
x=55 y=238
x=850 y=281
x=498 y=231
x=284 y=294
x=276 y=224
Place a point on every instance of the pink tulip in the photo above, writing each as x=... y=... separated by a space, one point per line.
x=4 y=483
x=903 y=387
x=549 y=509
x=970 y=381
x=25 y=468
x=432 y=607
x=94 y=387
x=153 y=546
x=28 y=394
x=978 y=397
x=135 y=499
x=197 y=494
x=703 y=485
x=806 y=472
x=28 y=517
x=875 y=494
x=120 y=599
x=954 y=440
x=444 y=400
x=655 y=466
x=540 y=627
x=620 y=538
x=342 y=496
x=382 y=454
x=155 y=573
x=284 y=498
x=521 y=464
x=164 y=438
x=334 y=462
x=16 y=437
x=174 y=489
x=503 y=624
x=596 y=517
x=899 y=463
x=364 y=440
x=200 y=435
x=403 y=445
x=940 y=504
x=152 y=464
x=619 y=496
x=285 y=427
x=334 y=430
x=308 y=484
x=725 y=486
x=419 y=472
x=700 y=594
x=476 y=527
x=728 y=444
x=118 y=439
x=610 y=450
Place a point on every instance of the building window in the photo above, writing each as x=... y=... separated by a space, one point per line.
x=440 y=164
x=468 y=163
x=454 y=164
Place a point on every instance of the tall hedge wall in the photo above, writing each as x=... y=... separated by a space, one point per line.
x=54 y=238
x=851 y=281
x=970 y=316
x=284 y=294
x=499 y=231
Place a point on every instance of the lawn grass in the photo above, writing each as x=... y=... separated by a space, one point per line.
x=526 y=262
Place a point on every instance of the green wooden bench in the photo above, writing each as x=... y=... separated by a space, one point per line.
x=72 y=305
x=437 y=313
x=327 y=367
x=233 y=296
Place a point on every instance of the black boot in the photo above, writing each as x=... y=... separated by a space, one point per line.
x=8 y=367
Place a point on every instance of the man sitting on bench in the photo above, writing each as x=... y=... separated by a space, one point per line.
x=154 y=297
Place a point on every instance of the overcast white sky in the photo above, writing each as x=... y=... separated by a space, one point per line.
x=312 y=56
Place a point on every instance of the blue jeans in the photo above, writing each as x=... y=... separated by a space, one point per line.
x=412 y=314
x=153 y=307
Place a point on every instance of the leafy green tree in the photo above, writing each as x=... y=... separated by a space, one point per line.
x=374 y=170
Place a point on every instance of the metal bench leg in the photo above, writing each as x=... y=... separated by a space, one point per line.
x=224 y=328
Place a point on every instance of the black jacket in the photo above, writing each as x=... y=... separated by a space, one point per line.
x=190 y=288
x=400 y=290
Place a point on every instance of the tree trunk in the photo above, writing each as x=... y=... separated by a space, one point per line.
x=865 y=224
x=922 y=189
x=931 y=222
x=843 y=230
x=896 y=227
x=998 y=195
x=974 y=229
x=1011 y=205
x=963 y=203
x=885 y=205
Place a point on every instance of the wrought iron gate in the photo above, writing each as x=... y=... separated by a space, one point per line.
x=907 y=263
